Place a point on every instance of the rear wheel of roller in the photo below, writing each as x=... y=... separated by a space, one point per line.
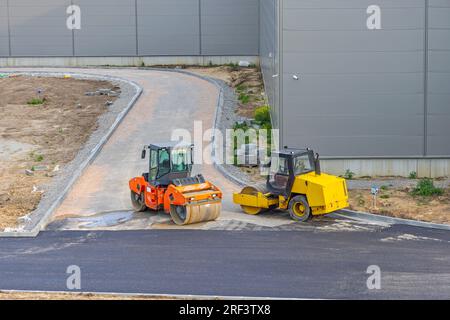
x=299 y=209
x=138 y=202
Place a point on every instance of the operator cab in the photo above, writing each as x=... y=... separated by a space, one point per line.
x=286 y=165
x=168 y=162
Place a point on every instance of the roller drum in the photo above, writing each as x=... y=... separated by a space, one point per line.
x=195 y=213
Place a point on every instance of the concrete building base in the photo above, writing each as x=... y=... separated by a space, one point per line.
x=432 y=168
x=123 y=61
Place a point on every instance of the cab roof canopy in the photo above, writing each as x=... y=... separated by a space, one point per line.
x=293 y=152
x=171 y=145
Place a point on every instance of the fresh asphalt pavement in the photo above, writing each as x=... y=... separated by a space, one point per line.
x=414 y=262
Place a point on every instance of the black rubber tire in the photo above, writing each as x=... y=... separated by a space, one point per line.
x=294 y=209
x=138 y=202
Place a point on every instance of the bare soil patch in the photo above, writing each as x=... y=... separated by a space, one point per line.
x=41 y=138
x=399 y=203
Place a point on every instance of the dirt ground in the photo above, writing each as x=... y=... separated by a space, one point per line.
x=41 y=137
x=400 y=203
x=246 y=81
x=71 y=296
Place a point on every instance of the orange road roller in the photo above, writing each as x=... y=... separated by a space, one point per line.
x=170 y=187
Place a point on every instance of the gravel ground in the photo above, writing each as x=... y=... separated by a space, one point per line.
x=226 y=117
x=60 y=182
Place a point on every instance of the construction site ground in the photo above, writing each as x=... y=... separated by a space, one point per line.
x=400 y=203
x=100 y=200
x=44 y=122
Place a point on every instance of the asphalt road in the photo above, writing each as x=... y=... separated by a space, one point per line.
x=414 y=262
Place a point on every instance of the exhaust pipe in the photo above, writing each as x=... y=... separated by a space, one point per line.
x=317 y=165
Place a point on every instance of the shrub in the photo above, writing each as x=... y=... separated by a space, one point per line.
x=413 y=175
x=262 y=115
x=349 y=175
x=426 y=188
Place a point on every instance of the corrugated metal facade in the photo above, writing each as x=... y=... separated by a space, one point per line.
x=269 y=55
x=227 y=25
x=108 y=26
x=178 y=19
x=38 y=28
x=130 y=28
x=4 y=29
x=438 y=101
x=360 y=92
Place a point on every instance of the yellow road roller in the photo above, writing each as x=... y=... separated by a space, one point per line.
x=295 y=183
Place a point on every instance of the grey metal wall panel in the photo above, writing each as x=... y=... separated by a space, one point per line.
x=38 y=28
x=4 y=37
x=360 y=92
x=438 y=120
x=230 y=27
x=269 y=54
x=168 y=27
x=108 y=28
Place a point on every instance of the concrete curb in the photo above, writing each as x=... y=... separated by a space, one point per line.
x=94 y=153
x=364 y=216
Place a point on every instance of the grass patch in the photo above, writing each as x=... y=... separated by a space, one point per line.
x=244 y=98
x=240 y=88
x=426 y=188
x=36 y=101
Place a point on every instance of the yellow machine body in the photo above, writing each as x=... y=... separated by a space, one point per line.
x=325 y=194
x=322 y=192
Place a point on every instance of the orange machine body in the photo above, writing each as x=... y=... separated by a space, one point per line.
x=159 y=198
